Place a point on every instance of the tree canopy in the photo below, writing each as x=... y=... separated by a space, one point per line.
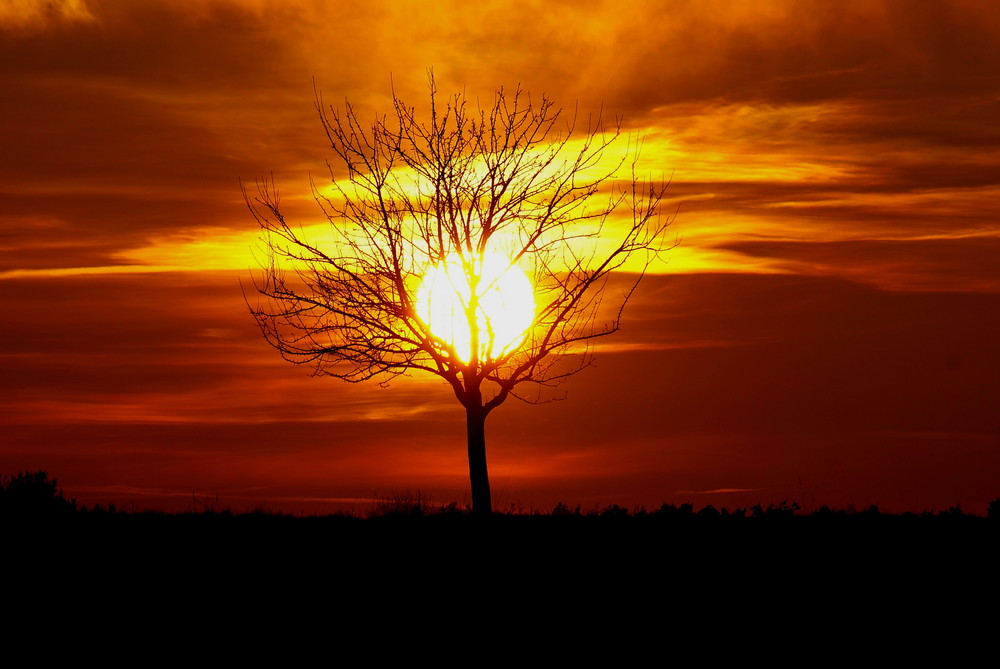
x=474 y=196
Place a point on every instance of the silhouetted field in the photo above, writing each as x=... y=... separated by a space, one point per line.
x=673 y=575
x=673 y=550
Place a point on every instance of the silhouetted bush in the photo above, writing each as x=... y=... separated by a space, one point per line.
x=33 y=493
x=826 y=513
x=781 y=510
x=709 y=511
x=453 y=509
x=401 y=505
x=993 y=509
x=614 y=511
x=671 y=511
x=561 y=509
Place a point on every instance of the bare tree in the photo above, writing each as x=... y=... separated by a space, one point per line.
x=450 y=195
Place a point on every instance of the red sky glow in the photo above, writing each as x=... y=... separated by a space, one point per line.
x=826 y=332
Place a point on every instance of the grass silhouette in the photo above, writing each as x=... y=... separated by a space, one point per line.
x=568 y=564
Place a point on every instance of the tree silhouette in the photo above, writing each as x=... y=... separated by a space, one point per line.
x=34 y=494
x=471 y=195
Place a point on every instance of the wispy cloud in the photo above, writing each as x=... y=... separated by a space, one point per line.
x=834 y=169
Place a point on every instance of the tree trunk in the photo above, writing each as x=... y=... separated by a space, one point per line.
x=475 y=418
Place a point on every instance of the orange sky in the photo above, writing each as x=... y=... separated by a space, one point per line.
x=826 y=332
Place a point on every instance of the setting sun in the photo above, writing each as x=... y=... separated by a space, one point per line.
x=825 y=332
x=504 y=304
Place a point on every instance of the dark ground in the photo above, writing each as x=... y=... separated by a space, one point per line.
x=614 y=569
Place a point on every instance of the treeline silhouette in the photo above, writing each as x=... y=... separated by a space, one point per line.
x=34 y=494
x=568 y=557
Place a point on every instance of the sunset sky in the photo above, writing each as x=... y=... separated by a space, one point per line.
x=826 y=332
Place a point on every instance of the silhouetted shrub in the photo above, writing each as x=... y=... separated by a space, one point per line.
x=453 y=509
x=781 y=510
x=99 y=508
x=405 y=504
x=32 y=493
x=993 y=509
x=561 y=509
x=614 y=511
x=826 y=513
x=709 y=511
x=671 y=511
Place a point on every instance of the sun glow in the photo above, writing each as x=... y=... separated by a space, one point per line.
x=504 y=304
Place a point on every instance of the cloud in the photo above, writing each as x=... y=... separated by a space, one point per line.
x=115 y=156
x=835 y=167
x=960 y=265
x=34 y=15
